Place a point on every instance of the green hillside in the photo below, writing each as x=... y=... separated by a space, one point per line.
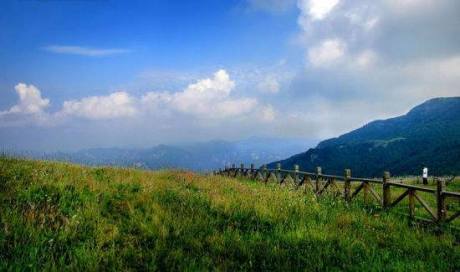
x=56 y=216
x=428 y=135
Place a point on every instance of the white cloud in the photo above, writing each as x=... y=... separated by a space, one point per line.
x=200 y=95
x=229 y=108
x=207 y=99
x=361 y=18
x=156 y=99
x=115 y=105
x=443 y=68
x=30 y=100
x=372 y=59
x=428 y=78
x=84 y=51
x=327 y=52
x=317 y=9
x=30 y=109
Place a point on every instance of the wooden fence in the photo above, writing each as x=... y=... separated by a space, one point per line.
x=319 y=183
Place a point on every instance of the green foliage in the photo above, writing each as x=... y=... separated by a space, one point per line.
x=56 y=216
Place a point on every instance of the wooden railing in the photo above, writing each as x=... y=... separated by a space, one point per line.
x=320 y=183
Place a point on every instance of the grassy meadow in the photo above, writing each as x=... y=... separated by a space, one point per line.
x=59 y=216
x=373 y=205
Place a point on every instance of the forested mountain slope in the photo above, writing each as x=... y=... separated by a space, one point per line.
x=429 y=134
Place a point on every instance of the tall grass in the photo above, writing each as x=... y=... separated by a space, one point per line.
x=56 y=216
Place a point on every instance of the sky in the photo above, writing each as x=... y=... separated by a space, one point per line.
x=104 y=73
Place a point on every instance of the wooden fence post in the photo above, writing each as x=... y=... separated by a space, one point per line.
x=296 y=173
x=411 y=204
x=386 y=190
x=318 y=174
x=347 y=185
x=251 y=173
x=264 y=173
x=242 y=170
x=366 y=192
x=278 y=172
x=440 y=201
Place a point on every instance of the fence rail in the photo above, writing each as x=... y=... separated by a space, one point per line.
x=320 y=183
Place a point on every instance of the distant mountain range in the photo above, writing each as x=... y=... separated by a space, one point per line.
x=428 y=135
x=206 y=156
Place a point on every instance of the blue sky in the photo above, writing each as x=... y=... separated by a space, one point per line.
x=158 y=35
x=77 y=74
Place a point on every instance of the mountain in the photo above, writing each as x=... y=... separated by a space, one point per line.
x=429 y=134
x=205 y=156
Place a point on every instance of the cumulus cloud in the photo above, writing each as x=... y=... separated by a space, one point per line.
x=199 y=97
x=327 y=52
x=30 y=100
x=205 y=99
x=330 y=52
x=29 y=109
x=384 y=34
x=84 y=51
x=371 y=59
x=318 y=9
x=395 y=30
x=115 y=105
x=346 y=35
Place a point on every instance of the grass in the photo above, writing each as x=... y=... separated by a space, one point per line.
x=58 y=216
x=402 y=208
